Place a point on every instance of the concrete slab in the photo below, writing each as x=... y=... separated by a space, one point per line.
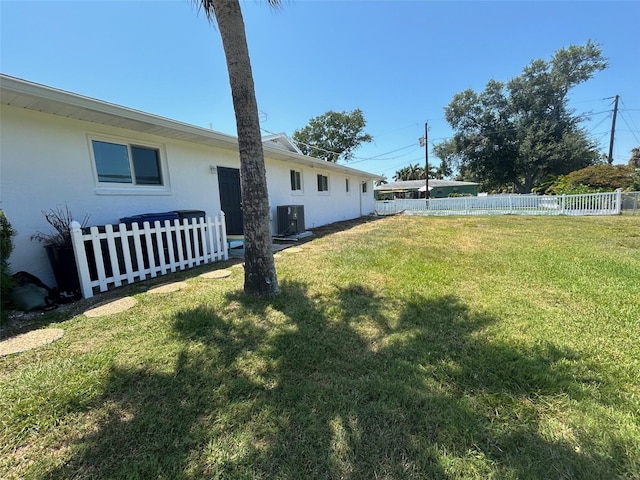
x=112 y=308
x=30 y=340
x=167 y=288
x=216 y=274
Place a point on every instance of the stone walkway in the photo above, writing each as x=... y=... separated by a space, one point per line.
x=45 y=336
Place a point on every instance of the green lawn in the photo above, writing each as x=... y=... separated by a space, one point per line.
x=406 y=347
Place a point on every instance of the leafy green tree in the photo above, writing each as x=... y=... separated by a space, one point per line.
x=259 y=267
x=443 y=171
x=634 y=161
x=514 y=134
x=333 y=136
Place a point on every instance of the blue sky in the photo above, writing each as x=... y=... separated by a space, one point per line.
x=400 y=62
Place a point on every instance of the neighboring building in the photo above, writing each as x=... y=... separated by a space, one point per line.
x=111 y=162
x=416 y=189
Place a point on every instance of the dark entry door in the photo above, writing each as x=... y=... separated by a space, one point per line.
x=231 y=199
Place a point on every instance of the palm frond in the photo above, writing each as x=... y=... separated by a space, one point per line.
x=209 y=10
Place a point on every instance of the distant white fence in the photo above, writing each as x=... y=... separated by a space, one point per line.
x=112 y=254
x=609 y=203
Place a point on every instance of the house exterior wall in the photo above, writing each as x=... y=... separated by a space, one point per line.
x=320 y=208
x=46 y=162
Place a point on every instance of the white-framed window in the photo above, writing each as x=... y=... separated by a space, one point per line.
x=296 y=181
x=364 y=187
x=323 y=183
x=346 y=185
x=123 y=166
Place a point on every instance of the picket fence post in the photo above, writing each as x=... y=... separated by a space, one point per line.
x=618 y=209
x=223 y=229
x=80 y=254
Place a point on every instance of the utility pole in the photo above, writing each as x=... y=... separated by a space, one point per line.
x=613 y=129
x=426 y=160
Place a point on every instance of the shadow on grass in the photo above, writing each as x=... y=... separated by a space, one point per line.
x=292 y=387
x=23 y=322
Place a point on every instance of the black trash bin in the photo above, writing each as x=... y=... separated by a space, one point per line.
x=151 y=218
x=190 y=215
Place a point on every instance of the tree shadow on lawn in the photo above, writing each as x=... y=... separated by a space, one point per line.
x=292 y=387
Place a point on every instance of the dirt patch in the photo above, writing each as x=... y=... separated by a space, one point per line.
x=30 y=340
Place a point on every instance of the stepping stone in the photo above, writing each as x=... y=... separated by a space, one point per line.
x=238 y=265
x=30 y=340
x=112 y=308
x=217 y=274
x=168 y=288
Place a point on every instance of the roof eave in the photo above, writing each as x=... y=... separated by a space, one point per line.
x=42 y=98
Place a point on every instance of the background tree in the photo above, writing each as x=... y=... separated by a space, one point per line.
x=634 y=161
x=414 y=172
x=384 y=181
x=333 y=136
x=259 y=267
x=514 y=134
x=410 y=172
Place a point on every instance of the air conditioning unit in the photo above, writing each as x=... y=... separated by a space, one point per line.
x=290 y=220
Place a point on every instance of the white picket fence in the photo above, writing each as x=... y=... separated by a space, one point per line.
x=112 y=255
x=609 y=203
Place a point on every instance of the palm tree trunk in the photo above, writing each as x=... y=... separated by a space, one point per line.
x=259 y=270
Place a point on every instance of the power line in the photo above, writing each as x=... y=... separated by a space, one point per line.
x=359 y=159
x=376 y=159
x=632 y=121
x=631 y=131
x=601 y=122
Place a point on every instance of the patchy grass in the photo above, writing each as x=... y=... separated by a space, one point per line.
x=408 y=347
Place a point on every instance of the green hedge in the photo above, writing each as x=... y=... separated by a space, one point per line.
x=6 y=247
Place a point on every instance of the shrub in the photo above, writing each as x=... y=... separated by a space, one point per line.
x=6 y=247
x=635 y=186
x=593 y=179
x=60 y=219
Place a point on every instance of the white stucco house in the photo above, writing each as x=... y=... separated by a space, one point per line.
x=111 y=162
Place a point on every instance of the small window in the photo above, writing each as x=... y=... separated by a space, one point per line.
x=296 y=181
x=323 y=183
x=364 y=187
x=346 y=185
x=130 y=164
